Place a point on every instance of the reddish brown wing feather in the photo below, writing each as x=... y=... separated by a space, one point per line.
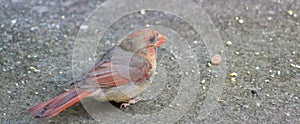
x=110 y=75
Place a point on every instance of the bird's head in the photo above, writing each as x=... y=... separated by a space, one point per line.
x=143 y=41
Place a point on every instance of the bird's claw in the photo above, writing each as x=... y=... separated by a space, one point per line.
x=130 y=102
x=124 y=105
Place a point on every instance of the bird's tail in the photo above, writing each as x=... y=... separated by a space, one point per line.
x=59 y=103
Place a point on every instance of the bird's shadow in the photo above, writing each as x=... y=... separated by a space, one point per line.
x=78 y=111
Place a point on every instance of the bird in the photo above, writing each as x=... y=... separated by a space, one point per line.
x=119 y=75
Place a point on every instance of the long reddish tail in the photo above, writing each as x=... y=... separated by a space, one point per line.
x=59 y=103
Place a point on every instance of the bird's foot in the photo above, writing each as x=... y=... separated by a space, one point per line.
x=130 y=102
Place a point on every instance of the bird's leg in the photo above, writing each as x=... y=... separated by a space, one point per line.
x=130 y=102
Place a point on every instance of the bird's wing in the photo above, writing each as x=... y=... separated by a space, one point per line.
x=110 y=75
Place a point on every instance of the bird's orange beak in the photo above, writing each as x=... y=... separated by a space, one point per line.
x=160 y=40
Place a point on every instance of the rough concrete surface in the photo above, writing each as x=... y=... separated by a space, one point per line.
x=262 y=48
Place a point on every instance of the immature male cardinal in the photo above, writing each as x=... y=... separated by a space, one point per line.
x=120 y=75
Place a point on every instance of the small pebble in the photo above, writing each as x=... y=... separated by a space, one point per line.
x=270 y=18
x=258 y=104
x=295 y=15
x=278 y=1
x=48 y=74
x=143 y=11
x=287 y=114
x=278 y=72
x=34 y=28
x=36 y=93
x=13 y=22
x=246 y=106
x=186 y=73
x=271 y=39
x=233 y=80
x=34 y=69
x=216 y=59
x=83 y=27
x=248 y=72
x=220 y=100
x=296 y=66
x=267 y=80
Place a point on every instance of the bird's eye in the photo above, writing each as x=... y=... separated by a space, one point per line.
x=152 y=39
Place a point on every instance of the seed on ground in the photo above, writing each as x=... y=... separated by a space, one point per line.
x=228 y=43
x=290 y=12
x=233 y=80
x=209 y=64
x=203 y=81
x=241 y=21
x=234 y=74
